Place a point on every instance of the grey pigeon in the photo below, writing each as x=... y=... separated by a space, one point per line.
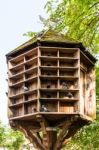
x=70 y=95
x=39 y=35
x=64 y=86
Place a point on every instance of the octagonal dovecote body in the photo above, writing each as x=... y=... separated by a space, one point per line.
x=52 y=76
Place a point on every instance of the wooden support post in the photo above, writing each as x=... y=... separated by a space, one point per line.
x=61 y=136
x=52 y=138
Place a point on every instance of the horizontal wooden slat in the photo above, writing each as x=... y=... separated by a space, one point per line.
x=56 y=89
x=21 y=94
x=21 y=103
x=24 y=81
x=65 y=59
x=58 y=68
x=24 y=63
x=24 y=72
x=69 y=78
x=59 y=99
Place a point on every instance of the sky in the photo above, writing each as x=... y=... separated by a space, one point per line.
x=16 y=18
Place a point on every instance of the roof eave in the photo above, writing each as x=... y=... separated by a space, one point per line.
x=37 y=42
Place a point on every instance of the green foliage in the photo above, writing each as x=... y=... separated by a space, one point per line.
x=14 y=139
x=78 y=19
x=10 y=139
x=2 y=135
x=86 y=139
x=75 y=18
x=30 y=34
x=97 y=82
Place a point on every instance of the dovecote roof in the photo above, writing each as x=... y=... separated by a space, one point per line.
x=50 y=38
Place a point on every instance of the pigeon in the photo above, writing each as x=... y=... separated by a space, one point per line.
x=7 y=93
x=44 y=109
x=64 y=86
x=39 y=35
x=70 y=95
x=41 y=18
x=87 y=49
x=25 y=88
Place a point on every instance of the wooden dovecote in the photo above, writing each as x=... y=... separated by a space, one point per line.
x=51 y=77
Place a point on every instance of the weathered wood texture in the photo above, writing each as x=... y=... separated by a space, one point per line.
x=51 y=91
x=61 y=80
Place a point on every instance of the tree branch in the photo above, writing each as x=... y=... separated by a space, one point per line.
x=87 y=27
x=93 y=5
x=84 y=12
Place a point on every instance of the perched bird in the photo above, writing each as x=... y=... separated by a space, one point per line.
x=41 y=18
x=69 y=95
x=25 y=88
x=39 y=35
x=87 y=49
x=64 y=86
x=44 y=109
x=6 y=93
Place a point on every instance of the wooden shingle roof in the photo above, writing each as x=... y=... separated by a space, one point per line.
x=52 y=38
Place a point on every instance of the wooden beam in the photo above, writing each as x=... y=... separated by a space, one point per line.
x=33 y=137
x=61 y=136
x=43 y=122
x=52 y=138
x=74 y=127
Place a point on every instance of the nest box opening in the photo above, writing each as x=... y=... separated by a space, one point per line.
x=48 y=86
x=48 y=73
x=48 y=64
x=48 y=96
x=49 y=54
x=34 y=109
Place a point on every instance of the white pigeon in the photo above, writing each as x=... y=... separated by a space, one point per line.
x=25 y=88
x=44 y=109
